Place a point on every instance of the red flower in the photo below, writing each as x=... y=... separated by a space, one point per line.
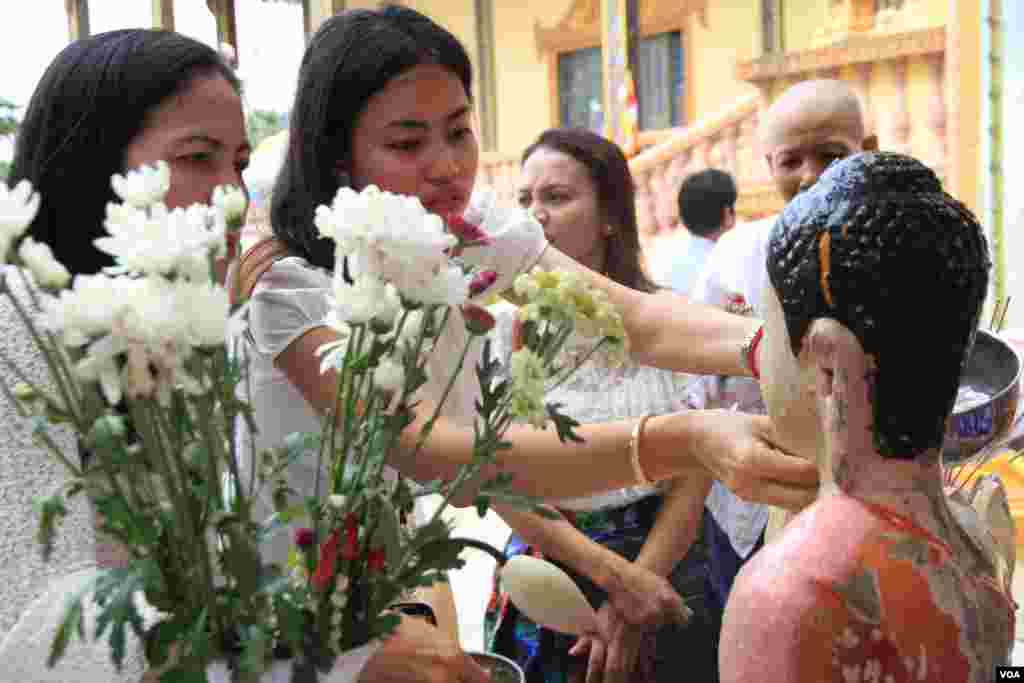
x=467 y=233
x=304 y=538
x=325 y=567
x=351 y=549
x=375 y=560
x=478 y=320
x=481 y=282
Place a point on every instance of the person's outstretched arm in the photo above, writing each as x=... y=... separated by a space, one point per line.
x=734 y=448
x=667 y=330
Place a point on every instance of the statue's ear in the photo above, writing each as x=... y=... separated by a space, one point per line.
x=870 y=144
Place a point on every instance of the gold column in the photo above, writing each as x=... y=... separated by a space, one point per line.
x=227 y=30
x=995 y=132
x=487 y=75
x=163 y=14
x=78 y=18
x=963 y=101
x=315 y=12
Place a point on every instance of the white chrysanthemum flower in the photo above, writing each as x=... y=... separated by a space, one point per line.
x=231 y=202
x=206 y=308
x=49 y=273
x=153 y=314
x=18 y=207
x=88 y=309
x=387 y=236
x=449 y=286
x=143 y=186
x=359 y=302
x=389 y=307
x=161 y=241
x=336 y=501
x=100 y=365
x=389 y=376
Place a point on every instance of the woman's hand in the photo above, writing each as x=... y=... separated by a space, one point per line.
x=420 y=653
x=643 y=598
x=742 y=451
x=612 y=660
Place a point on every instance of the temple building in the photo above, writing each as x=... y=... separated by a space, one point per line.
x=931 y=75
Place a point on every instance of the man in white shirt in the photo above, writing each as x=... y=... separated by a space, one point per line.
x=812 y=124
x=707 y=209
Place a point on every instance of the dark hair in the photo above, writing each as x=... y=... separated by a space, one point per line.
x=85 y=111
x=878 y=246
x=616 y=194
x=352 y=56
x=702 y=197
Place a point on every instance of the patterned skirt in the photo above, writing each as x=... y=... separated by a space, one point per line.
x=667 y=653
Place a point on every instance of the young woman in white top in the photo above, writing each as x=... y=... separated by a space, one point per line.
x=384 y=98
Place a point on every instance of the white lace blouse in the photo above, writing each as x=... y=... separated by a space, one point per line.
x=596 y=393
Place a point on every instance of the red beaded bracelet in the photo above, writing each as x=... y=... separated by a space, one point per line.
x=749 y=351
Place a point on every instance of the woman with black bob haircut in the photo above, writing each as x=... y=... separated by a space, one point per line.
x=98 y=103
x=106 y=104
x=350 y=59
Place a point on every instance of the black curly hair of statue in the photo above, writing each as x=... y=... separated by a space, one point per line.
x=878 y=246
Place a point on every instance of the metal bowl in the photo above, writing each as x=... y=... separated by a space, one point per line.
x=994 y=369
x=502 y=669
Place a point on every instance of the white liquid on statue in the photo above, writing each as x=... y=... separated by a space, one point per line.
x=967 y=397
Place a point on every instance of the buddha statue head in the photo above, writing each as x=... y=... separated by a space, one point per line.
x=876 y=254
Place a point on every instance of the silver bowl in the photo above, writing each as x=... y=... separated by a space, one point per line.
x=993 y=369
x=510 y=672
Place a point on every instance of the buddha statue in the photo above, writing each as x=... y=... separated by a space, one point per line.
x=877 y=283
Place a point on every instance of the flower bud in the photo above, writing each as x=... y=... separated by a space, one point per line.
x=482 y=281
x=304 y=538
x=478 y=320
x=468 y=234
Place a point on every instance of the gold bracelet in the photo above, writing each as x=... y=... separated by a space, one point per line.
x=634 y=451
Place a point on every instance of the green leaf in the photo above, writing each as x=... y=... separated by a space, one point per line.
x=115 y=591
x=565 y=425
x=255 y=649
x=51 y=511
x=388 y=533
x=198 y=639
x=70 y=624
x=179 y=675
x=159 y=640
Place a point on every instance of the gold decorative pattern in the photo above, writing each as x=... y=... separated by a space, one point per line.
x=857 y=49
x=581 y=26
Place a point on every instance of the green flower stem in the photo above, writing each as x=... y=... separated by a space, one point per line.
x=151 y=437
x=429 y=426
x=56 y=371
x=226 y=394
x=72 y=385
x=43 y=436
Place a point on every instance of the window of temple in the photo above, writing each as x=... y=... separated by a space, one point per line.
x=659 y=81
x=579 y=89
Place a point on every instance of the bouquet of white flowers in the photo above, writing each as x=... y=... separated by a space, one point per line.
x=141 y=371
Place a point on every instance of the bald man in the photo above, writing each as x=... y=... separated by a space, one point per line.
x=812 y=124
